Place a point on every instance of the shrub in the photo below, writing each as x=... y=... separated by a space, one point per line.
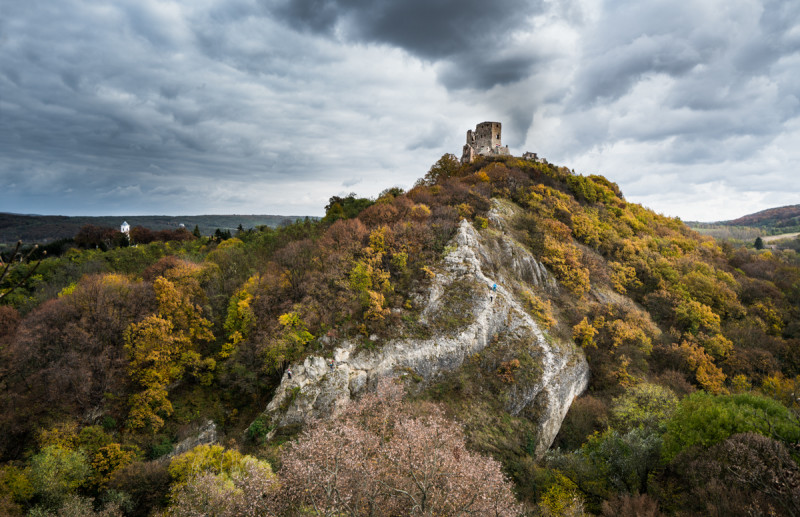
x=704 y=419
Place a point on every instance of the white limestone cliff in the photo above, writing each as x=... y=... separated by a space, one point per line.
x=319 y=386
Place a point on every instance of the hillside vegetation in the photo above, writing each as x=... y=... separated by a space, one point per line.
x=110 y=358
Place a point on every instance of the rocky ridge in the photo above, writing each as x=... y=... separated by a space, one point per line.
x=474 y=263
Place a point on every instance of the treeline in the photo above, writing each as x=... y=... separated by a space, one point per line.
x=109 y=358
x=44 y=229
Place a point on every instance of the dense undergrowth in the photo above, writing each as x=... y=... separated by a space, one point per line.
x=109 y=358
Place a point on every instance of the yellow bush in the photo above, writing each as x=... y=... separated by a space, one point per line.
x=583 y=333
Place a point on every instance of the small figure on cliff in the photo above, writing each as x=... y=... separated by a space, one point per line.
x=332 y=364
x=289 y=373
x=493 y=293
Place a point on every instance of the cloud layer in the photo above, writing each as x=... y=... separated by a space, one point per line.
x=272 y=106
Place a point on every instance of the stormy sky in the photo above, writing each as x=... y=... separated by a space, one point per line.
x=273 y=106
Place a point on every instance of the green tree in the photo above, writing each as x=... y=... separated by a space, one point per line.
x=56 y=472
x=704 y=419
x=445 y=167
x=345 y=207
x=759 y=244
x=643 y=406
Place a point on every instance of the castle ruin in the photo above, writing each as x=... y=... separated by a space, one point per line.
x=484 y=141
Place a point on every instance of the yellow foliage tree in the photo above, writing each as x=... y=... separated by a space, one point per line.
x=162 y=346
x=240 y=319
x=291 y=342
x=583 y=333
x=211 y=459
x=109 y=460
x=708 y=375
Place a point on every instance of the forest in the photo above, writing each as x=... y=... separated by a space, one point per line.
x=112 y=356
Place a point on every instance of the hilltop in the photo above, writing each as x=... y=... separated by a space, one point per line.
x=443 y=331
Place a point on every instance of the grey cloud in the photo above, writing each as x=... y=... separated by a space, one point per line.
x=612 y=74
x=468 y=35
x=433 y=137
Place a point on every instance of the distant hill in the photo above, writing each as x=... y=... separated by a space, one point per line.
x=773 y=221
x=42 y=229
x=781 y=217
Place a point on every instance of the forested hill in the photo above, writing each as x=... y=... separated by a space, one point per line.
x=42 y=229
x=109 y=360
x=781 y=217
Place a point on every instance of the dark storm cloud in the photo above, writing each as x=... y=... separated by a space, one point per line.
x=468 y=35
x=95 y=96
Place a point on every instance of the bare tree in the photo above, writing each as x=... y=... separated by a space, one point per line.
x=380 y=457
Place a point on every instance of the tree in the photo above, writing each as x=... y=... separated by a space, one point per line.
x=445 y=167
x=643 y=406
x=345 y=207
x=56 y=472
x=379 y=458
x=759 y=244
x=212 y=480
x=6 y=272
x=291 y=342
x=704 y=419
x=77 y=506
x=747 y=474
x=67 y=356
x=163 y=345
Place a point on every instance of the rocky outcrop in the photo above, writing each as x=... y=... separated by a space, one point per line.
x=475 y=263
x=205 y=434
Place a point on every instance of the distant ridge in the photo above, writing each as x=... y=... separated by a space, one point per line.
x=42 y=229
x=784 y=216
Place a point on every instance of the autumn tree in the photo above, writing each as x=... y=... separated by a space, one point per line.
x=212 y=480
x=746 y=474
x=380 y=458
x=445 y=167
x=67 y=355
x=164 y=345
x=289 y=344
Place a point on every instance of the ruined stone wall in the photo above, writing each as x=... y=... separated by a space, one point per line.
x=487 y=135
x=485 y=140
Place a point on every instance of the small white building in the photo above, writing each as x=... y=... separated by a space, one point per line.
x=125 y=228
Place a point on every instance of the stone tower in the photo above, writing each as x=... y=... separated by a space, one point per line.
x=484 y=141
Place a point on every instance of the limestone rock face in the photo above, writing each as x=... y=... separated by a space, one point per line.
x=460 y=290
x=205 y=434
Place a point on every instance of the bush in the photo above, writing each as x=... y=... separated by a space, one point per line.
x=703 y=419
x=56 y=473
